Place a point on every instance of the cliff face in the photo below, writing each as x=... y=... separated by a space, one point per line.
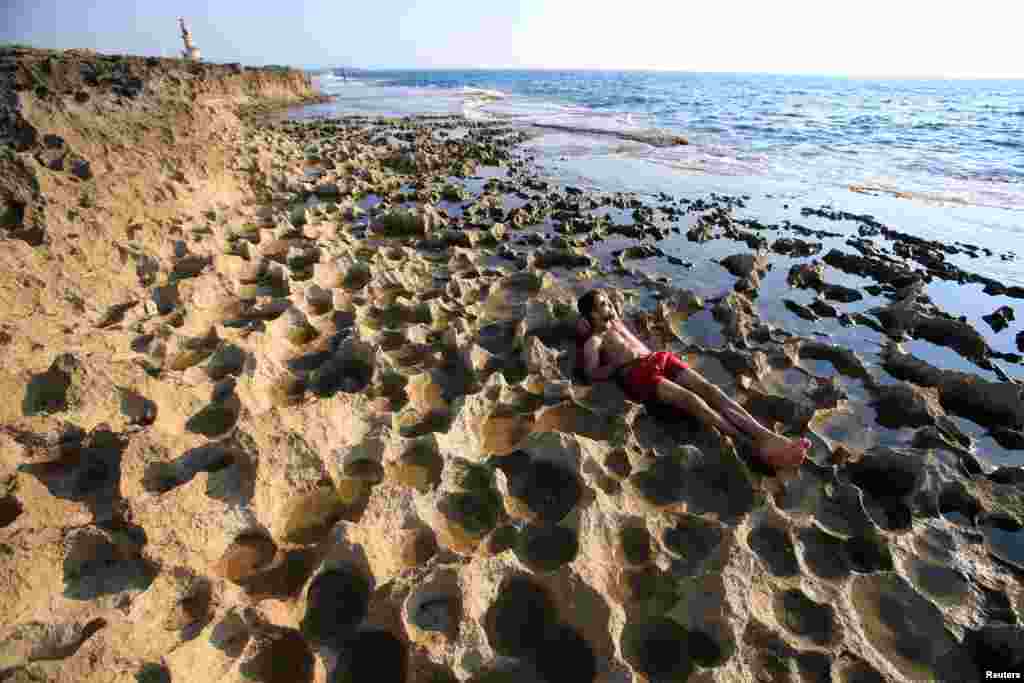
x=98 y=156
x=116 y=121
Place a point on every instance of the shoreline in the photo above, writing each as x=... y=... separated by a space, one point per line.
x=327 y=395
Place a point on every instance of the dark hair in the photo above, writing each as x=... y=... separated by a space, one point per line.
x=585 y=304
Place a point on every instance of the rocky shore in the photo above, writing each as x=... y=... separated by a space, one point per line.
x=295 y=401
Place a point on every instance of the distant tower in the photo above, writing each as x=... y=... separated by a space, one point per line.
x=190 y=51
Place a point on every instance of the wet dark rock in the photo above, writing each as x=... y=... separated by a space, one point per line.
x=1012 y=439
x=908 y=316
x=796 y=247
x=1008 y=475
x=800 y=310
x=906 y=405
x=999 y=319
x=993 y=404
x=841 y=293
x=822 y=309
x=746 y=265
x=876 y=267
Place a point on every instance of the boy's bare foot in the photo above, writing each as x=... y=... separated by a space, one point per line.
x=778 y=451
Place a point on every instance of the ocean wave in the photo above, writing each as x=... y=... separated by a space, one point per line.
x=653 y=137
x=886 y=189
x=1011 y=144
x=483 y=93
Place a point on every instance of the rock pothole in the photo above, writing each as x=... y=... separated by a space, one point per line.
x=658 y=649
x=691 y=541
x=805 y=617
x=635 y=544
x=774 y=547
x=868 y=553
x=98 y=562
x=544 y=492
x=280 y=655
x=854 y=670
x=435 y=609
x=520 y=617
x=824 y=553
x=545 y=548
x=336 y=603
x=373 y=654
x=247 y=555
x=419 y=467
x=566 y=655
x=1005 y=538
x=50 y=391
x=907 y=629
x=10 y=509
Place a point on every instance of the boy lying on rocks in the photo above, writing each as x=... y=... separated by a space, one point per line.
x=645 y=375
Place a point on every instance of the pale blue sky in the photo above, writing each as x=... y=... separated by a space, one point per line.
x=868 y=37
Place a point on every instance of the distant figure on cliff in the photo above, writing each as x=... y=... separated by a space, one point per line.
x=191 y=51
x=645 y=375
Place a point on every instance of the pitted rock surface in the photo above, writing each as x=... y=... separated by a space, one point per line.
x=327 y=422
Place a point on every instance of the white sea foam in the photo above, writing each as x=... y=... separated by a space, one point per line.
x=483 y=92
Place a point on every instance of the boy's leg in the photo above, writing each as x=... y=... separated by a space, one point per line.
x=670 y=393
x=720 y=401
x=773 y=448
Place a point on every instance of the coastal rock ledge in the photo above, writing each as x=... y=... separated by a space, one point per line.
x=294 y=401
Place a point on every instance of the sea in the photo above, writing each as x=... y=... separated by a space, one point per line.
x=941 y=159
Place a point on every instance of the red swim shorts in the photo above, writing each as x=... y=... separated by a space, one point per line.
x=640 y=378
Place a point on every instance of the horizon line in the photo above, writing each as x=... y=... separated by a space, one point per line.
x=832 y=74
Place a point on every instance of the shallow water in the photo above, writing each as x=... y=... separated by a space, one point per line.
x=955 y=140
x=595 y=160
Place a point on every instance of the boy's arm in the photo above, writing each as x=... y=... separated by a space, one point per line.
x=592 y=361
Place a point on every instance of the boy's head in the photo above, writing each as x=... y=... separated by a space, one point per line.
x=596 y=308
